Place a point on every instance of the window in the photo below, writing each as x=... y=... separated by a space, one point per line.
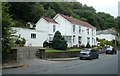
x=33 y=35
x=92 y=32
x=92 y=41
x=79 y=39
x=73 y=39
x=88 y=40
x=79 y=29
x=73 y=28
x=54 y=28
x=88 y=31
x=68 y=39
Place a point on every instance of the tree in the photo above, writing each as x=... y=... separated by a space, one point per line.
x=117 y=21
x=50 y=13
x=7 y=39
x=59 y=43
x=37 y=11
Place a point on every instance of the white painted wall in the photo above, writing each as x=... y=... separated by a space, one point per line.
x=108 y=37
x=65 y=26
x=44 y=30
x=26 y=33
x=66 y=29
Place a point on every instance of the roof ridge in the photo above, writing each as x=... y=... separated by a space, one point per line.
x=49 y=19
x=77 y=21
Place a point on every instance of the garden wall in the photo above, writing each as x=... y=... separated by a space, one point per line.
x=61 y=54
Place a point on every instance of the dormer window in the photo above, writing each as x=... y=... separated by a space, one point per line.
x=54 y=28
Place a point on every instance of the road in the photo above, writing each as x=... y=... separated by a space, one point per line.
x=106 y=64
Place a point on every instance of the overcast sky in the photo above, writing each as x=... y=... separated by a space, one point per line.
x=107 y=6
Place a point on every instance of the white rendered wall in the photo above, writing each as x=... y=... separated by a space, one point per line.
x=108 y=37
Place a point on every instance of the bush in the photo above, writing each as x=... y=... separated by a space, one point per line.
x=59 y=43
x=45 y=44
x=82 y=46
x=20 y=41
x=88 y=45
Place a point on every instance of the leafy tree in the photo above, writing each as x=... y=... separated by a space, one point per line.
x=50 y=13
x=20 y=41
x=37 y=11
x=7 y=22
x=59 y=43
x=117 y=21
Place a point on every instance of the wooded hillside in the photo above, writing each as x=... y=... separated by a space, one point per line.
x=24 y=12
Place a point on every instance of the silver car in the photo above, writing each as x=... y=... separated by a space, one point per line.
x=88 y=54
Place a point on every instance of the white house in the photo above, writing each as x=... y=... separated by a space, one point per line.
x=108 y=34
x=76 y=32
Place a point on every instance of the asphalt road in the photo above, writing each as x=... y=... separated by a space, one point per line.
x=106 y=64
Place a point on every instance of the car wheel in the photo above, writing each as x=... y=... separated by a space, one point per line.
x=98 y=57
x=91 y=58
x=80 y=58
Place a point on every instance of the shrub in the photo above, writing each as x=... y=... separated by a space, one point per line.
x=59 y=43
x=82 y=46
x=88 y=45
x=20 y=41
x=45 y=44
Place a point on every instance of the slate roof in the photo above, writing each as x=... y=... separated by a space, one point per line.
x=108 y=31
x=78 y=22
x=49 y=20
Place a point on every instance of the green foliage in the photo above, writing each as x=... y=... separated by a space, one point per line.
x=102 y=42
x=88 y=45
x=32 y=12
x=59 y=43
x=7 y=22
x=45 y=44
x=82 y=46
x=117 y=21
x=50 y=13
x=37 y=11
x=20 y=41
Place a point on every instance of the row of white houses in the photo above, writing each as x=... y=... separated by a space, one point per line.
x=76 y=32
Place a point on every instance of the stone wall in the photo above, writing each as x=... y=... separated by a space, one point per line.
x=24 y=53
x=61 y=54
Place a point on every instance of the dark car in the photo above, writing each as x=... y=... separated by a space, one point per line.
x=111 y=50
x=89 y=54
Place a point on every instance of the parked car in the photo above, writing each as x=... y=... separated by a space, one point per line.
x=89 y=54
x=111 y=50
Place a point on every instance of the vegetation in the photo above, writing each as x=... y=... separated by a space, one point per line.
x=19 y=13
x=59 y=43
x=53 y=50
x=19 y=41
x=24 y=12
x=7 y=37
x=104 y=42
x=88 y=45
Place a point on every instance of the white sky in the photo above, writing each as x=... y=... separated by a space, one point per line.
x=107 y=6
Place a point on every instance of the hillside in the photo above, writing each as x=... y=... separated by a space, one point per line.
x=24 y=12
